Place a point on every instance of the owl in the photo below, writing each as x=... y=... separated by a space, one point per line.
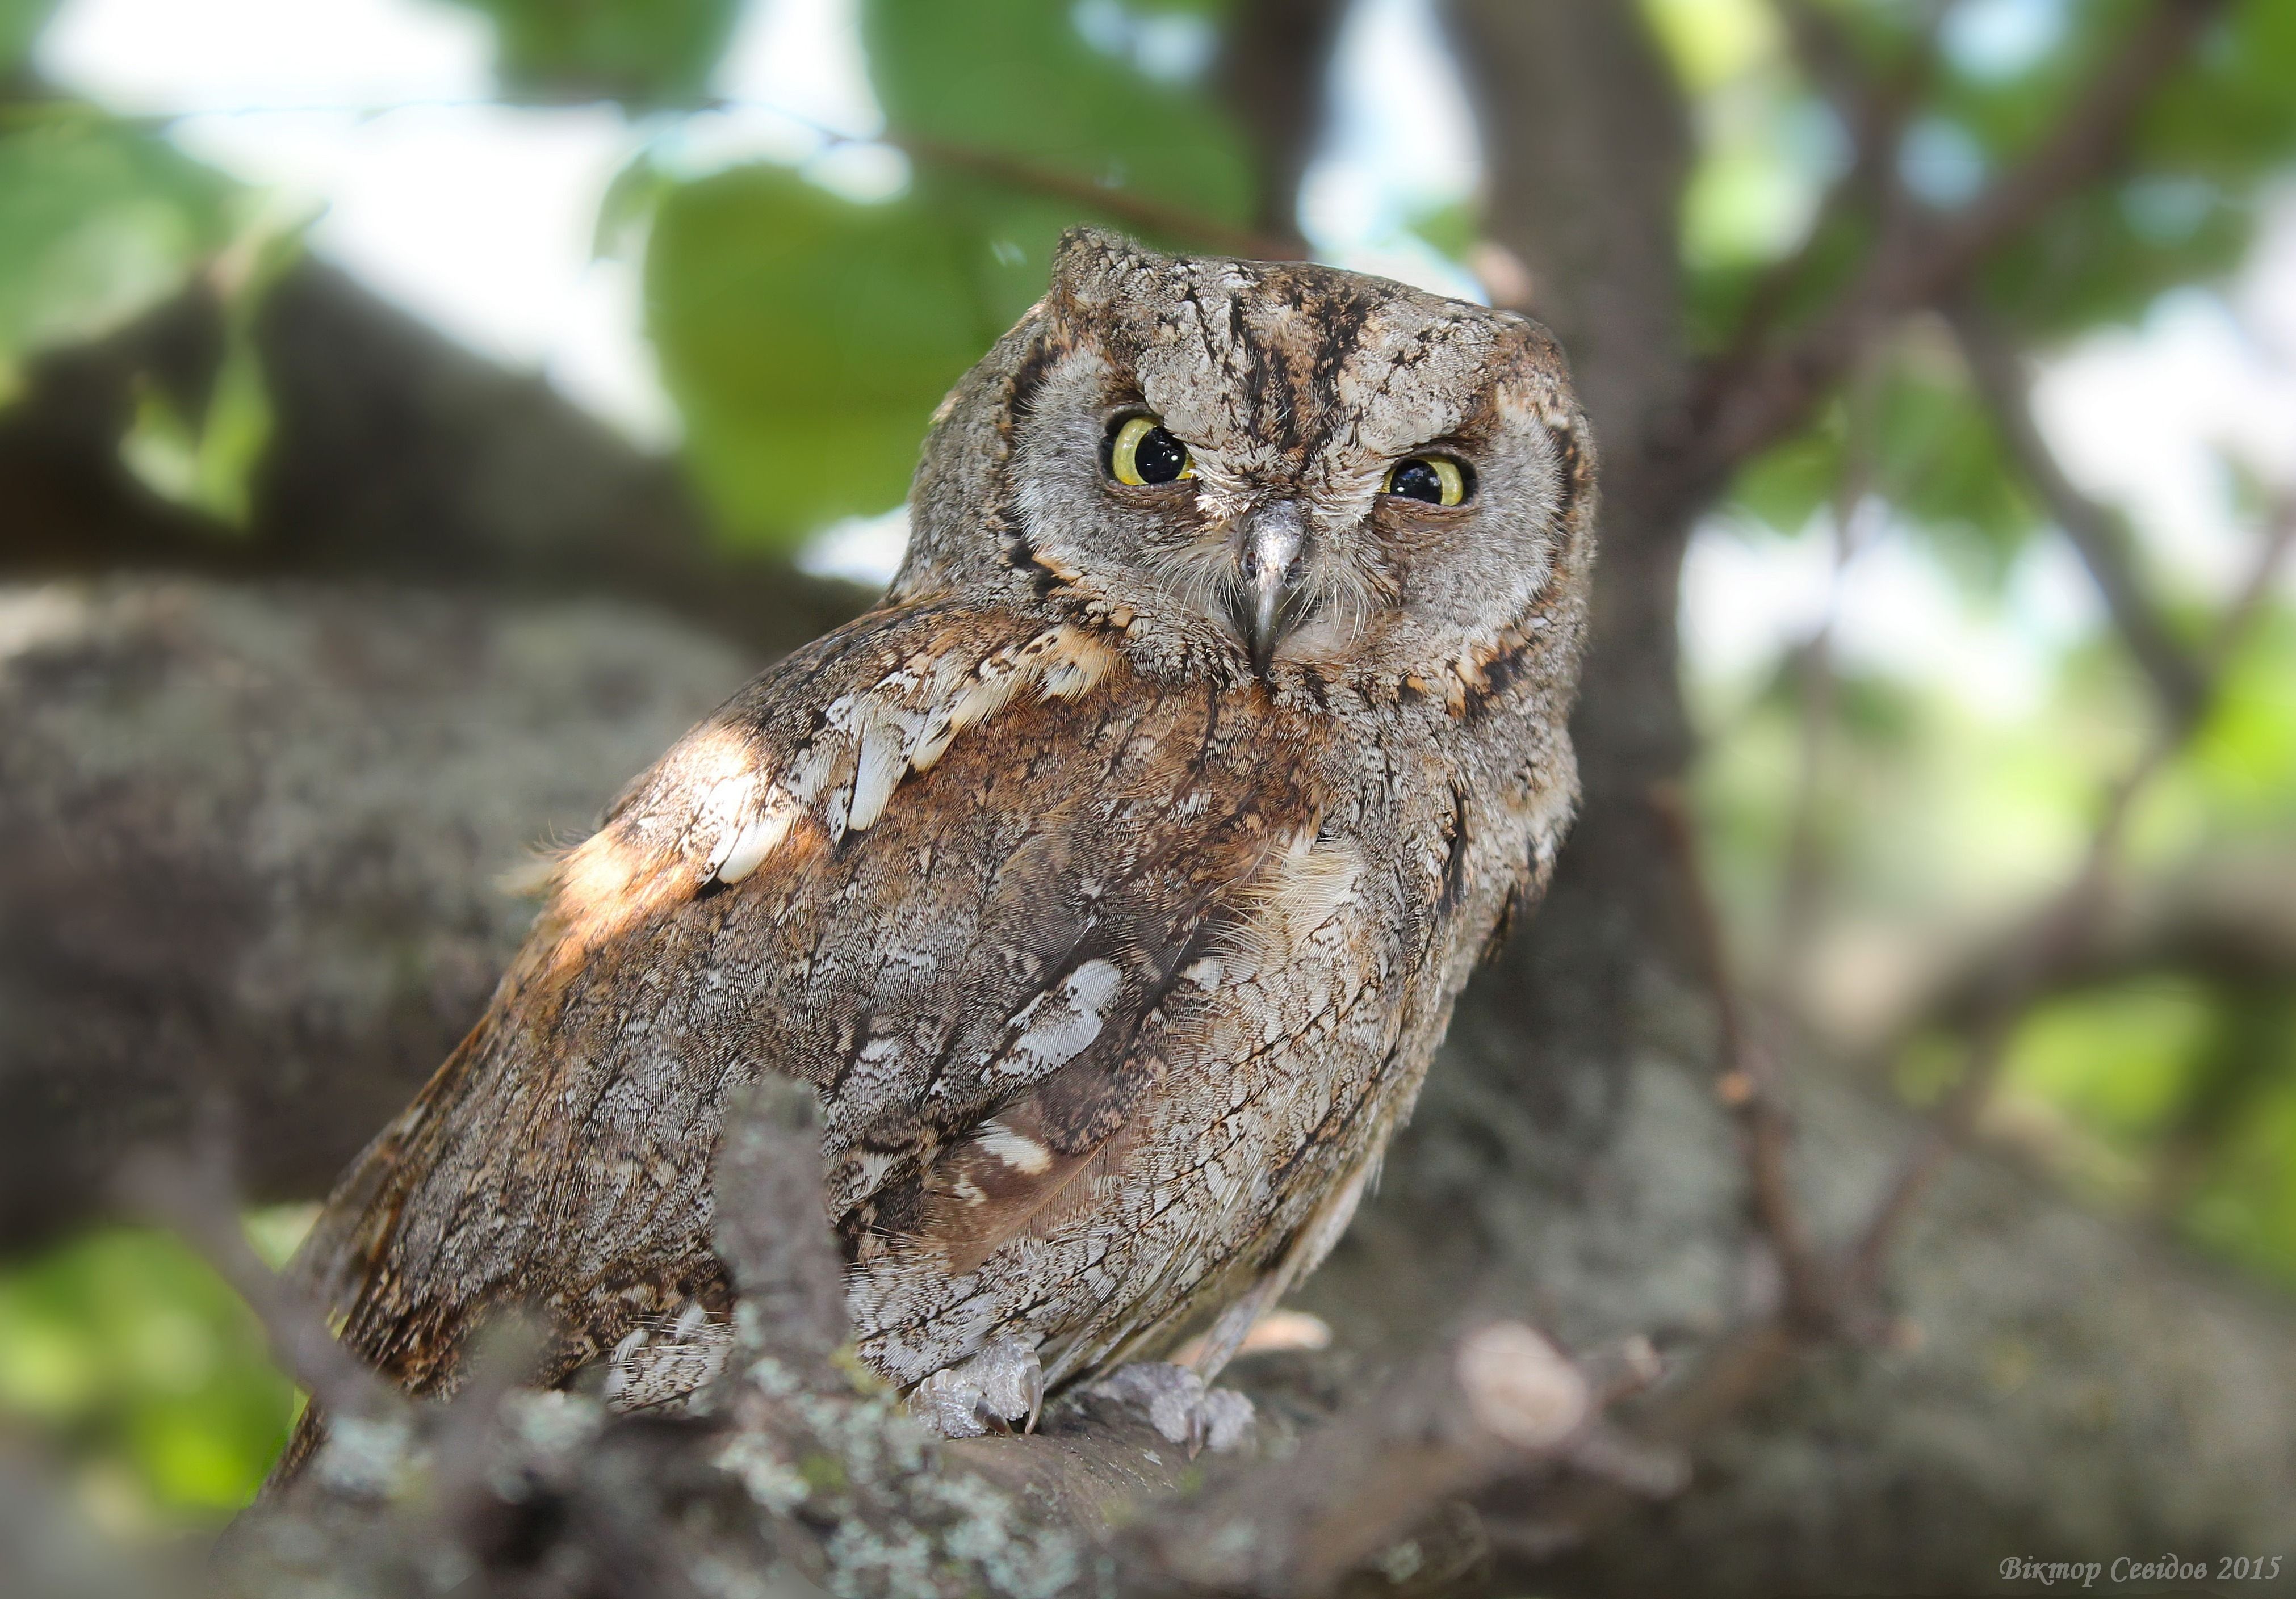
x=1110 y=882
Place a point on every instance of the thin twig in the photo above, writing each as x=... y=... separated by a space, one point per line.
x=2059 y=930
x=1875 y=114
x=1747 y=1084
x=463 y=1438
x=193 y=1196
x=1125 y=206
x=1133 y=209
x=1804 y=869
x=1492 y=1404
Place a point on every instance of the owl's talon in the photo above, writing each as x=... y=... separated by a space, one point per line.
x=1178 y=1405
x=986 y=1393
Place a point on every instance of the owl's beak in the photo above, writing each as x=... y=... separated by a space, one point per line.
x=1269 y=561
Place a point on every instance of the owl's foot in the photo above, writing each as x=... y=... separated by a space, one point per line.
x=989 y=1393
x=1179 y=1405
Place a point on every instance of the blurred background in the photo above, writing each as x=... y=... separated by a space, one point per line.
x=648 y=302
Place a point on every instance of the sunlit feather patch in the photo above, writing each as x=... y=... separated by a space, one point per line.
x=746 y=848
x=872 y=740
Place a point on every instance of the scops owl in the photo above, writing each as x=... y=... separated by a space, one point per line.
x=1110 y=882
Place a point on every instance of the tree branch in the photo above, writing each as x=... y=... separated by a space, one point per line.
x=795 y=1466
x=1802 y=881
x=1151 y=216
x=1275 y=67
x=2058 y=931
x=2229 y=919
x=161 y=946
x=1748 y=1086
x=1744 y=408
x=1498 y=1402
x=2093 y=530
x=192 y=1195
x=1874 y=115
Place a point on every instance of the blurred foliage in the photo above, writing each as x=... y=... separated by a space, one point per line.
x=2232 y=1176
x=202 y=451
x=1933 y=455
x=147 y=1372
x=2169 y=1094
x=807 y=338
x=21 y=22
x=1941 y=817
x=2177 y=1096
x=2181 y=210
x=100 y=220
x=2238 y=779
x=641 y=52
x=756 y=274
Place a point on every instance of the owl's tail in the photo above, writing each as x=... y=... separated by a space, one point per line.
x=330 y=1268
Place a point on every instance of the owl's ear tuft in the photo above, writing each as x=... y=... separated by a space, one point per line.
x=1090 y=264
x=1097 y=245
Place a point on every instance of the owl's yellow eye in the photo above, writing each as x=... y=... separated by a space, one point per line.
x=1433 y=480
x=1140 y=451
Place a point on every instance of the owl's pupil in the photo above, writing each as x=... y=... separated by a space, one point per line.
x=1159 y=457
x=1417 y=481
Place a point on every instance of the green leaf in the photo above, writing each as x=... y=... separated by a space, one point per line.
x=1938 y=461
x=99 y=221
x=204 y=452
x=807 y=341
x=1017 y=79
x=208 y=464
x=124 y=1348
x=1787 y=484
x=642 y=52
x=21 y=22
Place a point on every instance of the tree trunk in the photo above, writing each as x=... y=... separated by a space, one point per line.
x=396 y=454
x=253 y=845
x=1575 y=103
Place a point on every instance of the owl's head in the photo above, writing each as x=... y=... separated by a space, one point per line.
x=1264 y=467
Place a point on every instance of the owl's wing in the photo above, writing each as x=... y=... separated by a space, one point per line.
x=963 y=872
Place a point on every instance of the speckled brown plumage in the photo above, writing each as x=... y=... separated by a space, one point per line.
x=1114 y=954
